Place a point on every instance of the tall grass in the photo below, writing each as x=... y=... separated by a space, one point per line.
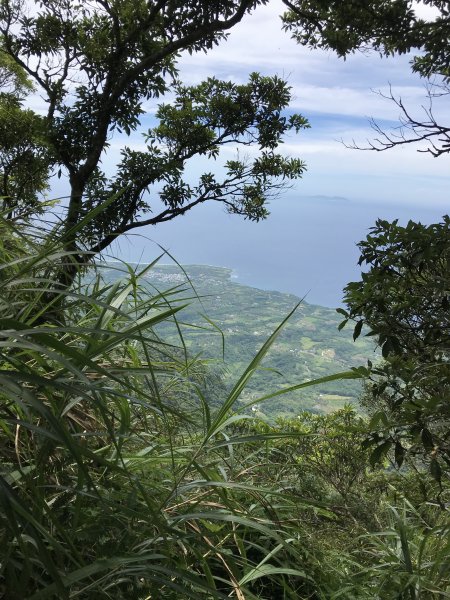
x=411 y=557
x=117 y=479
x=120 y=479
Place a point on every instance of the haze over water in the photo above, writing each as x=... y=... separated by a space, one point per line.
x=307 y=246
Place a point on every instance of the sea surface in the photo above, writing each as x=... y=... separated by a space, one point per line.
x=307 y=246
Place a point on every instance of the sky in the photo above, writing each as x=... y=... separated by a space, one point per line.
x=342 y=192
x=338 y=97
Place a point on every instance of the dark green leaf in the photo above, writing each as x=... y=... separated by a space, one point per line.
x=427 y=439
x=435 y=470
x=380 y=452
x=342 y=324
x=399 y=454
x=357 y=330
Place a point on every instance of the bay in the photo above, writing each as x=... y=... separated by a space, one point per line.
x=307 y=246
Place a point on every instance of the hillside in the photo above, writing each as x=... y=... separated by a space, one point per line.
x=309 y=347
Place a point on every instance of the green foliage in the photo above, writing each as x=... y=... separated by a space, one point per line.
x=117 y=479
x=24 y=159
x=121 y=479
x=381 y=536
x=199 y=122
x=389 y=27
x=324 y=458
x=308 y=348
x=127 y=470
x=410 y=558
x=403 y=299
x=13 y=78
x=96 y=65
x=24 y=154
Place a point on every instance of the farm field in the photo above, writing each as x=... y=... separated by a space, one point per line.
x=227 y=322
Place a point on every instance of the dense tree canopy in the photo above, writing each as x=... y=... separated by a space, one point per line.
x=24 y=156
x=97 y=64
x=387 y=26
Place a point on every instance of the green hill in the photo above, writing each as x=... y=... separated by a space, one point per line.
x=309 y=347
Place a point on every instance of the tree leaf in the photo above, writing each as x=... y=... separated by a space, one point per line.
x=399 y=454
x=435 y=470
x=342 y=324
x=357 y=330
x=380 y=452
x=427 y=439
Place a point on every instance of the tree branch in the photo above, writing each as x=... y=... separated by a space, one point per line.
x=430 y=131
x=113 y=91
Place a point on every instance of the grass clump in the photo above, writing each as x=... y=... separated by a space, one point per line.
x=122 y=477
x=115 y=481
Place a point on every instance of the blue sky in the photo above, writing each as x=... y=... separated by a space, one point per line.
x=338 y=97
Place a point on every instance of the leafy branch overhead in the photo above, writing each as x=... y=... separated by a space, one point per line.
x=389 y=27
x=386 y=26
x=202 y=120
x=25 y=159
x=97 y=63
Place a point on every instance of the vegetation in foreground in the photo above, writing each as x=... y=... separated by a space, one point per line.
x=120 y=477
x=120 y=480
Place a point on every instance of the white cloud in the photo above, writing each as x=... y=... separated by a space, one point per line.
x=425 y=11
x=320 y=81
x=335 y=95
x=354 y=102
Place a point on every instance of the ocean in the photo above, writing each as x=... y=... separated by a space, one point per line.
x=307 y=246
